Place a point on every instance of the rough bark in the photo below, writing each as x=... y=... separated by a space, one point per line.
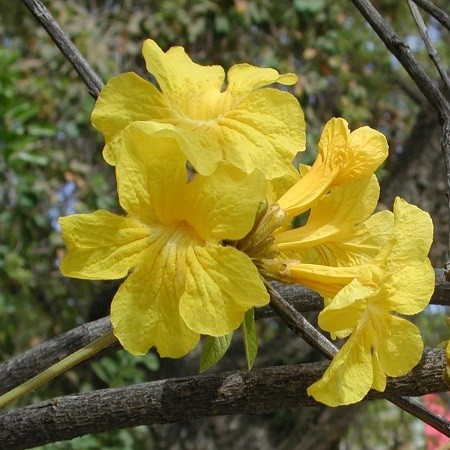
x=35 y=360
x=243 y=392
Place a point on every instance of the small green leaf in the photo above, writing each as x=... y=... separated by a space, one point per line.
x=250 y=338
x=213 y=350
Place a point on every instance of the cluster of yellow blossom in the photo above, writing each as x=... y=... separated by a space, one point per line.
x=205 y=177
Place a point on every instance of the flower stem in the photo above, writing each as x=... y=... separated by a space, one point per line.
x=57 y=369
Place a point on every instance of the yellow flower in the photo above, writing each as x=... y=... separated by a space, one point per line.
x=400 y=280
x=342 y=157
x=182 y=280
x=246 y=124
x=341 y=193
x=339 y=230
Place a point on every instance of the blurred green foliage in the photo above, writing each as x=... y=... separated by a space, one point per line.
x=50 y=156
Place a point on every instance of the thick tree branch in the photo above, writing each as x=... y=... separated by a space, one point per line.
x=435 y=12
x=303 y=328
x=241 y=392
x=92 y=81
x=296 y=321
x=27 y=365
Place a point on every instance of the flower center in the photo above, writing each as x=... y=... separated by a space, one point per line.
x=259 y=243
x=206 y=107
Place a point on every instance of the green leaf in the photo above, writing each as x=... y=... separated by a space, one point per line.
x=213 y=350
x=250 y=338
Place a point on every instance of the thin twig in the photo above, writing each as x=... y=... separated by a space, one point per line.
x=72 y=360
x=432 y=53
x=92 y=81
x=403 y=53
x=300 y=325
x=34 y=361
x=435 y=12
x=416 y=409
x=309 y=333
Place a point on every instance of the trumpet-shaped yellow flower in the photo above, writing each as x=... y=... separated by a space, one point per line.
x=399 y=279
x=182 y=281
x=250 y=126
x=339 y=230
x=342 y=156
x=339 y=233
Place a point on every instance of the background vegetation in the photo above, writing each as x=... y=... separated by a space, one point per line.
x=51 y=164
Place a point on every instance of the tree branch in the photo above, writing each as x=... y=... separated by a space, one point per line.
x=435 y=12
x=432 y=53
x=25 y=366
x=242 y=392
x=34 y=361
x=94 y=85
x=92 y=81
x=300 y=325
x=303 y=328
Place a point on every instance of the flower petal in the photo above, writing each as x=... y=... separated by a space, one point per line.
x=151 y=174
x=332 y=145
x=125 y=99
x=358 y=248
x=145 y=310
x=224 y=205
x=277 y=116
x=102 y=246
x=342 y=156
x=179 y=78
x=268 y=124
x=399 y=346
x=334 y=216
x=349 y=376
x=366 y=240
x=221 y=284
x=379 y=377
x=245 y=78
x=411 y=238
x=345 y=309
x=367 y=149
x=325 y=280
x=276 y=187
x=411 y=287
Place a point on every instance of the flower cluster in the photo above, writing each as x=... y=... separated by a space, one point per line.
x=205 y=178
